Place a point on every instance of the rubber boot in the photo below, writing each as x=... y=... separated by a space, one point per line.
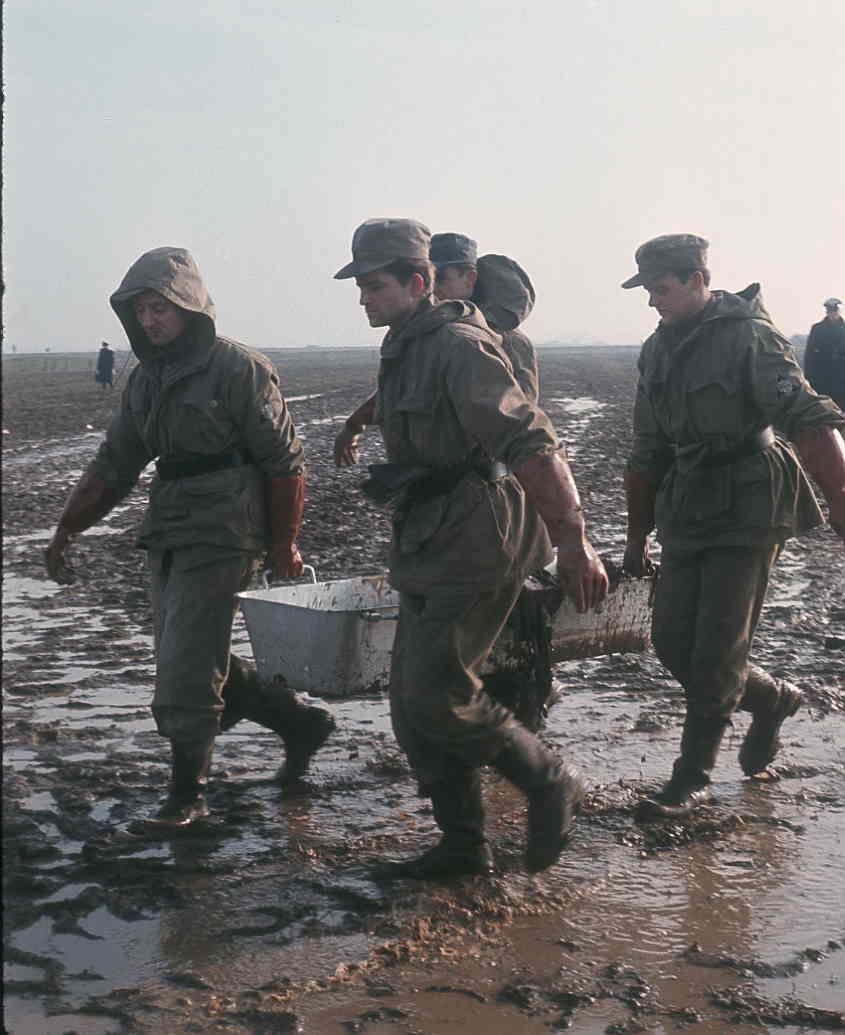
x=554 y=792
x=689 y=785
x=304 y=728
x=463 y=849
x=185 y=803
x=770 y=702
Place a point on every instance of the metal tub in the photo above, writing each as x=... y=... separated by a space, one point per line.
x=335 y=638
x=331 y=638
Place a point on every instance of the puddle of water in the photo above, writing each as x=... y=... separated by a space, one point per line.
x=581 y=404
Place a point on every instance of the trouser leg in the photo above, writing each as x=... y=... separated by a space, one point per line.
x=706 y=610
x=443 y=718
x=193 y=611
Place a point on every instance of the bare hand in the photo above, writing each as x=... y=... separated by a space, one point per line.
x=582 y=575
x=346 y=447
x=54 y=558
x=285 y=561
x=636 y=560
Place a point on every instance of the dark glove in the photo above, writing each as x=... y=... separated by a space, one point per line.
x=640 y=493
x=285 y=503
x=89 y=500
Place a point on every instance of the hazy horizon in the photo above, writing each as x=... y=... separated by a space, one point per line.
x=562 y=135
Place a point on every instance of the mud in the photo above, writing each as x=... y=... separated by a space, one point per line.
x=270 y=918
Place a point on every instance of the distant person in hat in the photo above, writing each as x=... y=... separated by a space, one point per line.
x=824 y=357
x=724 y=493
x=478 y=487
x=505 y=295
x=227 y=494
x=105 y=366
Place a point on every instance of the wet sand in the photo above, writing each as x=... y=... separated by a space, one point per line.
x=270 y=918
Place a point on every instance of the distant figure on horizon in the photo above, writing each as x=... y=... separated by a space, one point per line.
x=824 y=357
x=724 y=493
x=105 y=367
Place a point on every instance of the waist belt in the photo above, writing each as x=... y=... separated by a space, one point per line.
x=386 y=481
x=759 y=442
x=170 y=470
x=438 y=483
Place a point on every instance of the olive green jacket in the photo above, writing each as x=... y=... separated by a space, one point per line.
x=201 y=396
x=447 y=400
x=731 y=375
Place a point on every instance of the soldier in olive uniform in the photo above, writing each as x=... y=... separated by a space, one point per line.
x=229 y=489
x=724 y=493
x=503 y=292
x=485 y=488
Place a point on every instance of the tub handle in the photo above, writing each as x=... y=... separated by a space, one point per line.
x=308 y=571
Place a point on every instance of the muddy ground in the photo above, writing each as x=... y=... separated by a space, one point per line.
x=270 y=918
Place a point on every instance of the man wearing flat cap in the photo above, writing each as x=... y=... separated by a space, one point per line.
x=824 y=357
x=478 y=487
x=724 y=493
x=503 y=292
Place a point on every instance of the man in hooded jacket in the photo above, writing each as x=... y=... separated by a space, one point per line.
x=724 y=493
x=228 y=490
x=485 y=487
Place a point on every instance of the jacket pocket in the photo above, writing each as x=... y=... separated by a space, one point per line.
x=704 y=494
x=204 y=429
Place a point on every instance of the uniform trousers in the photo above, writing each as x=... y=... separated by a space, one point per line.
x=441 y=715
x=706 y=608
x=193 y=610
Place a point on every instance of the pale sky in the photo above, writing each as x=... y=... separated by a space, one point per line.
x=561 y=132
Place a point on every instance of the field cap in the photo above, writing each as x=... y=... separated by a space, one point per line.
x=378 y=242
x=453 y=250
x=669 y=253
x=832 y=303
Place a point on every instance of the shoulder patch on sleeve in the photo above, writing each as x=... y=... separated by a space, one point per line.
x=788 y=384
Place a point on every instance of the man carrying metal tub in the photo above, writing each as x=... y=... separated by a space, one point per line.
x=724 y=492
x=503 y=292
x=229 y=490
x=479 y=488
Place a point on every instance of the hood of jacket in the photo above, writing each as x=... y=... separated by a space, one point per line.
x=503 y=291
x=173 y=273
x=744 y=305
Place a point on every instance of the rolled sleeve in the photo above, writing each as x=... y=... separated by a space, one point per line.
x=492 y=408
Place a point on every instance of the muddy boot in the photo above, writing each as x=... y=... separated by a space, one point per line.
x=186 y=801
x=554 y=793
x=463 y=849
x=304 y=728
x=689 y=785
x=241 y=687
x=770 y=701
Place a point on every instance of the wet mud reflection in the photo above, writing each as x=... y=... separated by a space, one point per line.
x=270 y=918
